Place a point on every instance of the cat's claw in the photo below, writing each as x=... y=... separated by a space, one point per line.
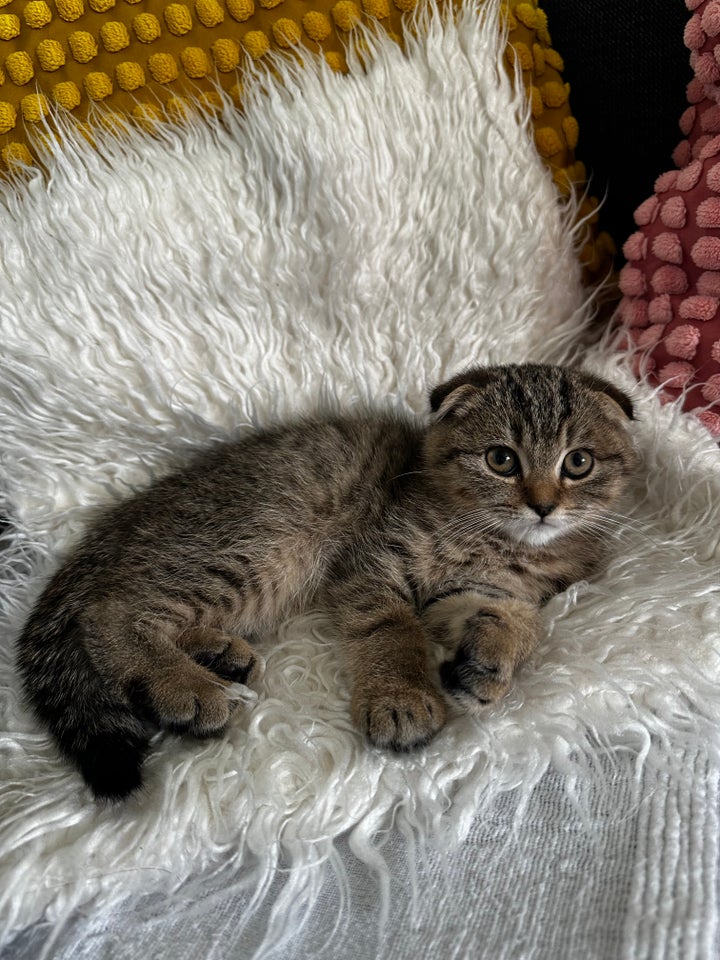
x=403 y=718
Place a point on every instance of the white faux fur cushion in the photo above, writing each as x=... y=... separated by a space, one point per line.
x=346 y=240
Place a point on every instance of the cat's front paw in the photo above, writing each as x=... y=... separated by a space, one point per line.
x=400 y=717
x=477 y=675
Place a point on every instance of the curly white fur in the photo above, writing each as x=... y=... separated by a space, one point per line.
x=347 y=238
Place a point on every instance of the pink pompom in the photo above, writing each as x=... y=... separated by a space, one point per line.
x=708 y=213
x=682 y=154
x=676 y=374
x=698 y=308
x=687 y=120
x=711 y=390
x=710 y=20
x=650 y=335
x=635 y=247
x=688 y=178
x=660 y=309
x=700 y=145
x=666 y=181
x=693 y=4
x=633 y=313
x=673 y=213
x=706 y=253
x=713 y=178
x=711 y=421
x=632 y=282
x=709 y=119
x=683 y=341
x=715 y=351
x=647 y=211
x=710 y=149
x=706 y=68
x=708 y=284
x=667 y=247
x=695 y=91
x=669 y=279
x=694 y=35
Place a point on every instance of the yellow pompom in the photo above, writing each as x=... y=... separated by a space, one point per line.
x=82 y=46
x=15 y=154
x=37 y=14
x=178 y=19
x=554 y=60
x=2 y=76
x=376 y=8
x=162 y=67
x=269 y=4
x=226 y=54
x=541 y=25
x=129 y=75
x=571 y=130
x=177 y=108
x=114 y=122
x=209 y=12
x=147 y=115
x=317 y=26
x=538 y=59
x=195 y=62
x=256 y=43
x=211 y=100
x=114 y=36
x=70 y=9
x=67 y=94
x=19 y=67
x=548 y=142
x=286 y=32
x=9 y=26
x=98 y=85
x=50 y=54
x=34 y=107
x=335 y=61
x=524 y=55
x=554 y=94
x=405 y=5
x=241 y=10
x=8 y=117
x=101 y=6
x=525 y=12
x=346 y=14
x=146 y=27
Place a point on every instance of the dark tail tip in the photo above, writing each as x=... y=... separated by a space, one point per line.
x=111 y=764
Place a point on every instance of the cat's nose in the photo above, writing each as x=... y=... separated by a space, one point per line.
x=542 y=509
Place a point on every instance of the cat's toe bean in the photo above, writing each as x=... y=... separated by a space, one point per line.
x=401 y=719
x=476 y=682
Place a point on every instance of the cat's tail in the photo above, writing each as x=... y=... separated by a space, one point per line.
x=92 y=725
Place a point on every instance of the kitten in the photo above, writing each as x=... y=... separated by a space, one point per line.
x=459 y=530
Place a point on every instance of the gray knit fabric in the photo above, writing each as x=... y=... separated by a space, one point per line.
x=625 y=868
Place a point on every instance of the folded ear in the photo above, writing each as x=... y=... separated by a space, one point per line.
x=449 y=395
x=621 y=402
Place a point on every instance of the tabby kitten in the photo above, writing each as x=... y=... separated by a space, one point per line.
x=459 y=530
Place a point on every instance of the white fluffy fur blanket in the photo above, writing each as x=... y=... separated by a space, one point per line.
x=346 y=240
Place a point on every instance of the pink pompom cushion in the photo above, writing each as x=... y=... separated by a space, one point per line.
x=671 y=281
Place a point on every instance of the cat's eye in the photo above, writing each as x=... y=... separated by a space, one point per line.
x=502 y=460
x=577 y=464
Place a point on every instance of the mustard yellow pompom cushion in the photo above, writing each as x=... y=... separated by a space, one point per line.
x=146 y=58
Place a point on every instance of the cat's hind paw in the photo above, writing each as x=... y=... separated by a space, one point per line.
x=400 y=718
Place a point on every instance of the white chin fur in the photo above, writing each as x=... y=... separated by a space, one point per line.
x=535 y=533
